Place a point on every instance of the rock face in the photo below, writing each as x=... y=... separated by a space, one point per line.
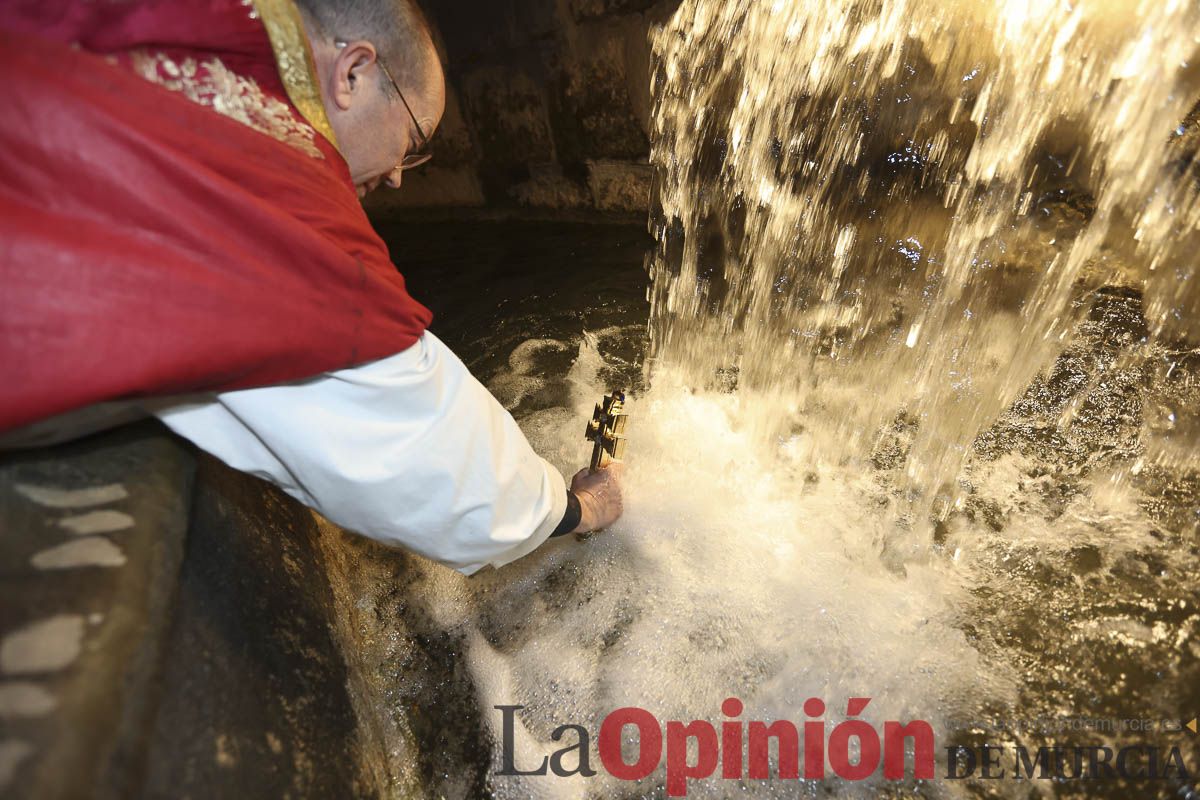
x=548 y=106
x=167 y=630
x=254 y=700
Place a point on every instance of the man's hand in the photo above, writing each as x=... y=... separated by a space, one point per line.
x=599 y=496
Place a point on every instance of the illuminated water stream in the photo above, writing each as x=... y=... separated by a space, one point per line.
x=920 y=418
x=903 y=198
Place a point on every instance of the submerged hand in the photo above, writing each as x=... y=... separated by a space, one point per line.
x=599 y=496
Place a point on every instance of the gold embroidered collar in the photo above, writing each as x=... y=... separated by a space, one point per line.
x=297 y=70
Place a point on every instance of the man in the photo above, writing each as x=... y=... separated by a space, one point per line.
x=180 y=236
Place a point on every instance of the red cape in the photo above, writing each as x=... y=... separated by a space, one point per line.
x=149 y=245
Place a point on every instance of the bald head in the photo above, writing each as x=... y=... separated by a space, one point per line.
x=397 y=28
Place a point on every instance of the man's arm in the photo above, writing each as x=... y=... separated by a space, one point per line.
x=410 y=450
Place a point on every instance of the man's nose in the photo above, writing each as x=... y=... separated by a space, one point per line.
x=394 y=177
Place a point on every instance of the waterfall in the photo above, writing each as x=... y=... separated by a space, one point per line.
x=881 y=212
x=921 y=417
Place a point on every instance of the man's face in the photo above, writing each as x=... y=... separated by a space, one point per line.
x=374 y=129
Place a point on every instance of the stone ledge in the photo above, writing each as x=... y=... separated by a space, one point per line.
x=92 y=546
x=620 y=185
x=187 y=648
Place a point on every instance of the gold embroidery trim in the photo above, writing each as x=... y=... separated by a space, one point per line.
x=297 y=70
x=227 y=93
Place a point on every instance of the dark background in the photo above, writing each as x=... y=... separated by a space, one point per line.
x=548 y=107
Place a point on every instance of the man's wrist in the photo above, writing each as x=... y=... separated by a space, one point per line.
x=587 y=516
x=572 y=518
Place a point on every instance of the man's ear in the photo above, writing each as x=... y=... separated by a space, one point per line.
x=349 y=72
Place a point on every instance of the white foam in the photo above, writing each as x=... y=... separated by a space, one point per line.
x=732 y=573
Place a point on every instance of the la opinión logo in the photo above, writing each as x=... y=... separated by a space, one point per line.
x=741 y=749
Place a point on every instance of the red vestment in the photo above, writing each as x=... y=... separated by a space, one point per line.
x=150 y=245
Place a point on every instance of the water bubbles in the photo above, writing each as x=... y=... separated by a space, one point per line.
x=910 y=248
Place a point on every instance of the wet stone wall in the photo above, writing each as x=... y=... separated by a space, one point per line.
x=548 y=107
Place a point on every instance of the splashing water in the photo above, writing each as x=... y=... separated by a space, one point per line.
x=870 y=206
x=921 y=418
x=742 y=571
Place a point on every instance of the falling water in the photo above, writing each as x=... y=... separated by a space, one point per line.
x=878 y=211
x=917 y=261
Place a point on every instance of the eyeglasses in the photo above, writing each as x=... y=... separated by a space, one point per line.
x=410 y=160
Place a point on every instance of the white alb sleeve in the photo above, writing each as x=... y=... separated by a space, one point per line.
x=411 y=450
